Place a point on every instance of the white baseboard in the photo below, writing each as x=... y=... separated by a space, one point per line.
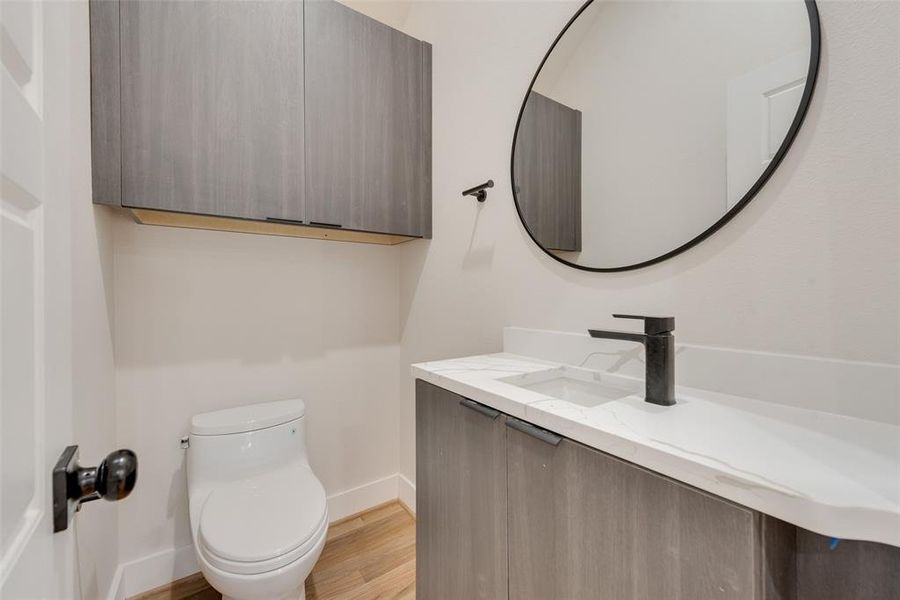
x=116 y=587
x=148 y=572
x=406 y=492
x=358 y=499
x=154 y=570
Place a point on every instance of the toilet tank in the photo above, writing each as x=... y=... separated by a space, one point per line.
x=231 y=444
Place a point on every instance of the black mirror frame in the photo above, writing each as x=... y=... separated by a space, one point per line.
x=815 y=37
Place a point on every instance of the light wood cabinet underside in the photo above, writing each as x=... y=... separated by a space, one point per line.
x=191 y=221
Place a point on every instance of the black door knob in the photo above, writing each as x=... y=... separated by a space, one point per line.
x=117 y=475
x=73 y=485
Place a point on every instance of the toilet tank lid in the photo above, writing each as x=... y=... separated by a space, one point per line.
x=247 y=418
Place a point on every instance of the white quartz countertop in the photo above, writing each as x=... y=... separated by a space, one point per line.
x=836 y=475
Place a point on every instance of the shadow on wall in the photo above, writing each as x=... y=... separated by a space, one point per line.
x=479 y=254
x=186 y=296
x=175 y=506
x=103 y=225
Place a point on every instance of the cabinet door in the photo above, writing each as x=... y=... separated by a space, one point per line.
x=585 y=525
x=460 y=498
x=852 y=569
x=368 y=123
x=548 y=172
x=106 y=149
x=212 y=107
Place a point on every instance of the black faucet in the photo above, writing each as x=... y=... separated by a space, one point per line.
x=659 y=344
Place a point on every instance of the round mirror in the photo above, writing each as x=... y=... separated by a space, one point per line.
x=650 y=124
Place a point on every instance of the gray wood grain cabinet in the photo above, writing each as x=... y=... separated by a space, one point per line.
x=368 y=123
x=461 y=501
x=288 y=110
x=212 y=107
x=548 y=172
x=508 y=510
x=583 y=524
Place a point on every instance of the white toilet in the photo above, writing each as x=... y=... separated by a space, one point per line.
x=258 y=513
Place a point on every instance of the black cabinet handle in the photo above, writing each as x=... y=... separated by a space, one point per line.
x=330 y=225
x=284 y=221
x=480 y=408
x=534 y=431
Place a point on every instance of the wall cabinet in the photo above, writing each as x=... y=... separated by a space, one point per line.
x=212 y=107
x=581 y=524
x=368 y=106
x=284 y=111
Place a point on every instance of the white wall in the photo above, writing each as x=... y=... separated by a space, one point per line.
x=93 y=374
x=811 y=266
x=210 y=320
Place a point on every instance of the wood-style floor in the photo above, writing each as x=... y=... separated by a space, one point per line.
x=369 y=555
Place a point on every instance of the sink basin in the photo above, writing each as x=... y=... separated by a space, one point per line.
x=578 y=386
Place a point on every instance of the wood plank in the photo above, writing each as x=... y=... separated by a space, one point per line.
x=192 y=587
x=352 y=561
x=372 y=557
x=191 y=221
x=386 y=584
x=343 y=527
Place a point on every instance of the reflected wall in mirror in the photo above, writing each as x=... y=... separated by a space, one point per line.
x=651 y=123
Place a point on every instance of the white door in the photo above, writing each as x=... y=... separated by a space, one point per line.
x=762 y=105
x=35 y=299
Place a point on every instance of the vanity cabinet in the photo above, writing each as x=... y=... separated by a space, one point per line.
x=461 y=498
x=509 y=510
x=583 y=524
x=253 y=115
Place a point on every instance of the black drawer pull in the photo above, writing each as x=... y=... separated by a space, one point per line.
x=534 y=431
x=480 y=408
x=330 y=225
x=284 y=221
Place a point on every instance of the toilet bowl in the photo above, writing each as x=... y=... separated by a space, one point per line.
x=258 y=512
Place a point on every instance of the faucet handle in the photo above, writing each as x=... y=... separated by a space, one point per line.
x=653 y=325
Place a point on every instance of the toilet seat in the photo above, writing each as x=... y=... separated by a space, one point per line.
x=264 y=522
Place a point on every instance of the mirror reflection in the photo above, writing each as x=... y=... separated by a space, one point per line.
x=650 y=121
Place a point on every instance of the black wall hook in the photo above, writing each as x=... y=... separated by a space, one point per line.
x=479 y=191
